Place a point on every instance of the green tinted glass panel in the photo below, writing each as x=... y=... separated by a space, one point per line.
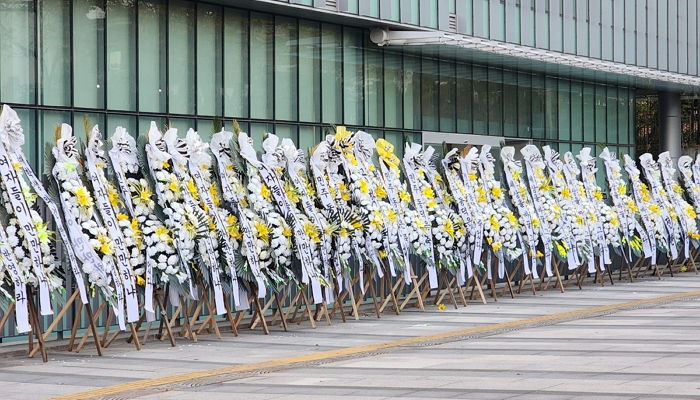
x=121 y=55
x=464 y=98
x=411 y=93
x=430 y=85
x=524 y=105
x=447 y=93
x=88 y=45
x=510 y=104
x=152 y=50
x=495 y=86
x=262 y=31
x=181 y=53
x=576 y=111
x=353 y=87
x=374 y=88
x=309 y=71
x=331 y=74
x=55 y=86
x=393 y=90
x=209 y=66
x=286 y=68
x=235 y=63
x=480 y=100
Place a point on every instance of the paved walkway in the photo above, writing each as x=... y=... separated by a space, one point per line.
x=628 y=341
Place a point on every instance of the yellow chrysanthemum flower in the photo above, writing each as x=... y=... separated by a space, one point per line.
x=261 y=230
x=312 y=232
x=494 y=223
x=428 y=192
x=404 y=196
x=566 y=193
x=344 y=193
x=449 y=228
x=83 y=197
x=265 y=192
x=122 y=217
x=380 y=192
x=496 y=192
x=113 y=196
x=363 y=186
x=391 y=216
x=105 y=244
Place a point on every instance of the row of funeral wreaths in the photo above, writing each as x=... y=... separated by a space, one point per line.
x=235 y=223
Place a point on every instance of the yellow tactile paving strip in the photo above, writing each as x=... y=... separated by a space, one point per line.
x=358 y=350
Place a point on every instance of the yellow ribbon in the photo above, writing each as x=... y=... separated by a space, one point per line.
x=385 y=150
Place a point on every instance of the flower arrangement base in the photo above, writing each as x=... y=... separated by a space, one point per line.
x=417 y=290
x=184 y=308
x=546 y=280
x=340 y=300
x=35 y=328
x=164 y=321
x=107 y=341
x=690 y=262
x=275 y=299
x=369 y=273
x=475 y=284
x=337 y=297
x=301 y=299
x=279 y=311
x=58 y=317
x=639 y=266
x=446 y=287
x=72 y=346
x=523 y=279
x=210 y=322
x=397 y=287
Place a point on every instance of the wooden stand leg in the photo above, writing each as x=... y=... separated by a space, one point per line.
x=415 y=290
x=279 y=310
x=307 y=305
x=164 y=321
x=258 y=310
x=7 y=315
x=36 y=326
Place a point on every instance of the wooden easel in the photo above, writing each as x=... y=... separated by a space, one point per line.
x=446 y=287
x=475 y=283
x=520 y=269
x=186 y=328
x=388 y=290
x=555 y=268
x=415 y=291
x=35 y=327
x=163 y=323
x=301 y=299
x=275 y=298
x=57 y=319
x=369 y=273
x=340 y=299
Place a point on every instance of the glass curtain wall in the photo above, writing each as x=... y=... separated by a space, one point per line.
x=185 y=63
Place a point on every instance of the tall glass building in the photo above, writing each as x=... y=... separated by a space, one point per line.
x=561 y=72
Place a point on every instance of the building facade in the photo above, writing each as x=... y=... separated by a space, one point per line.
x=561 y=72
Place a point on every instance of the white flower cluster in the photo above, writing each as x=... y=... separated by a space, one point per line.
x=501 y=224
x=18 y=242
x=180 y=225
x=272 y=226
x=79 y=205
x=155 y=239
x=646 y=205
